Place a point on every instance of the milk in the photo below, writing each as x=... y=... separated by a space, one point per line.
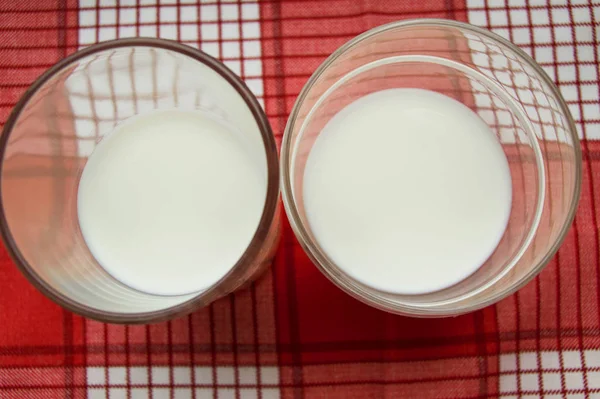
x=169 y=202
x=407 y=191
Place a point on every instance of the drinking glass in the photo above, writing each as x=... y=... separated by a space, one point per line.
x=53 y=130
x=508 y=91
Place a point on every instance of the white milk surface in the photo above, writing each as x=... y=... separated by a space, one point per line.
x=169 y=201
x=407 y=190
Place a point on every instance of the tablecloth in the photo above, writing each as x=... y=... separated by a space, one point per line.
x=292 y=334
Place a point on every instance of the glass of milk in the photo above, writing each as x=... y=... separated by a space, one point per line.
x=430 y=168
x=139 y=180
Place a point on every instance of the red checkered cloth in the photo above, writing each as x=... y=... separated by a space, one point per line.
x=293 y=334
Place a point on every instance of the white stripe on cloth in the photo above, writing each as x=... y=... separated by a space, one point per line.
x=236 y=43
x=551 y=374
x=184 y=383
x=571 y=30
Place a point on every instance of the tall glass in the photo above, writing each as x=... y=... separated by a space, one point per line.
x=500 y=83
x=53 y=130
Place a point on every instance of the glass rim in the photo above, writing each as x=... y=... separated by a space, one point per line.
x=309 y=245
x=269 y=209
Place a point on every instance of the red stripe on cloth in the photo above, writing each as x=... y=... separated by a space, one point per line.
x=30 y=321
x=33 y=320
x=316 y=322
